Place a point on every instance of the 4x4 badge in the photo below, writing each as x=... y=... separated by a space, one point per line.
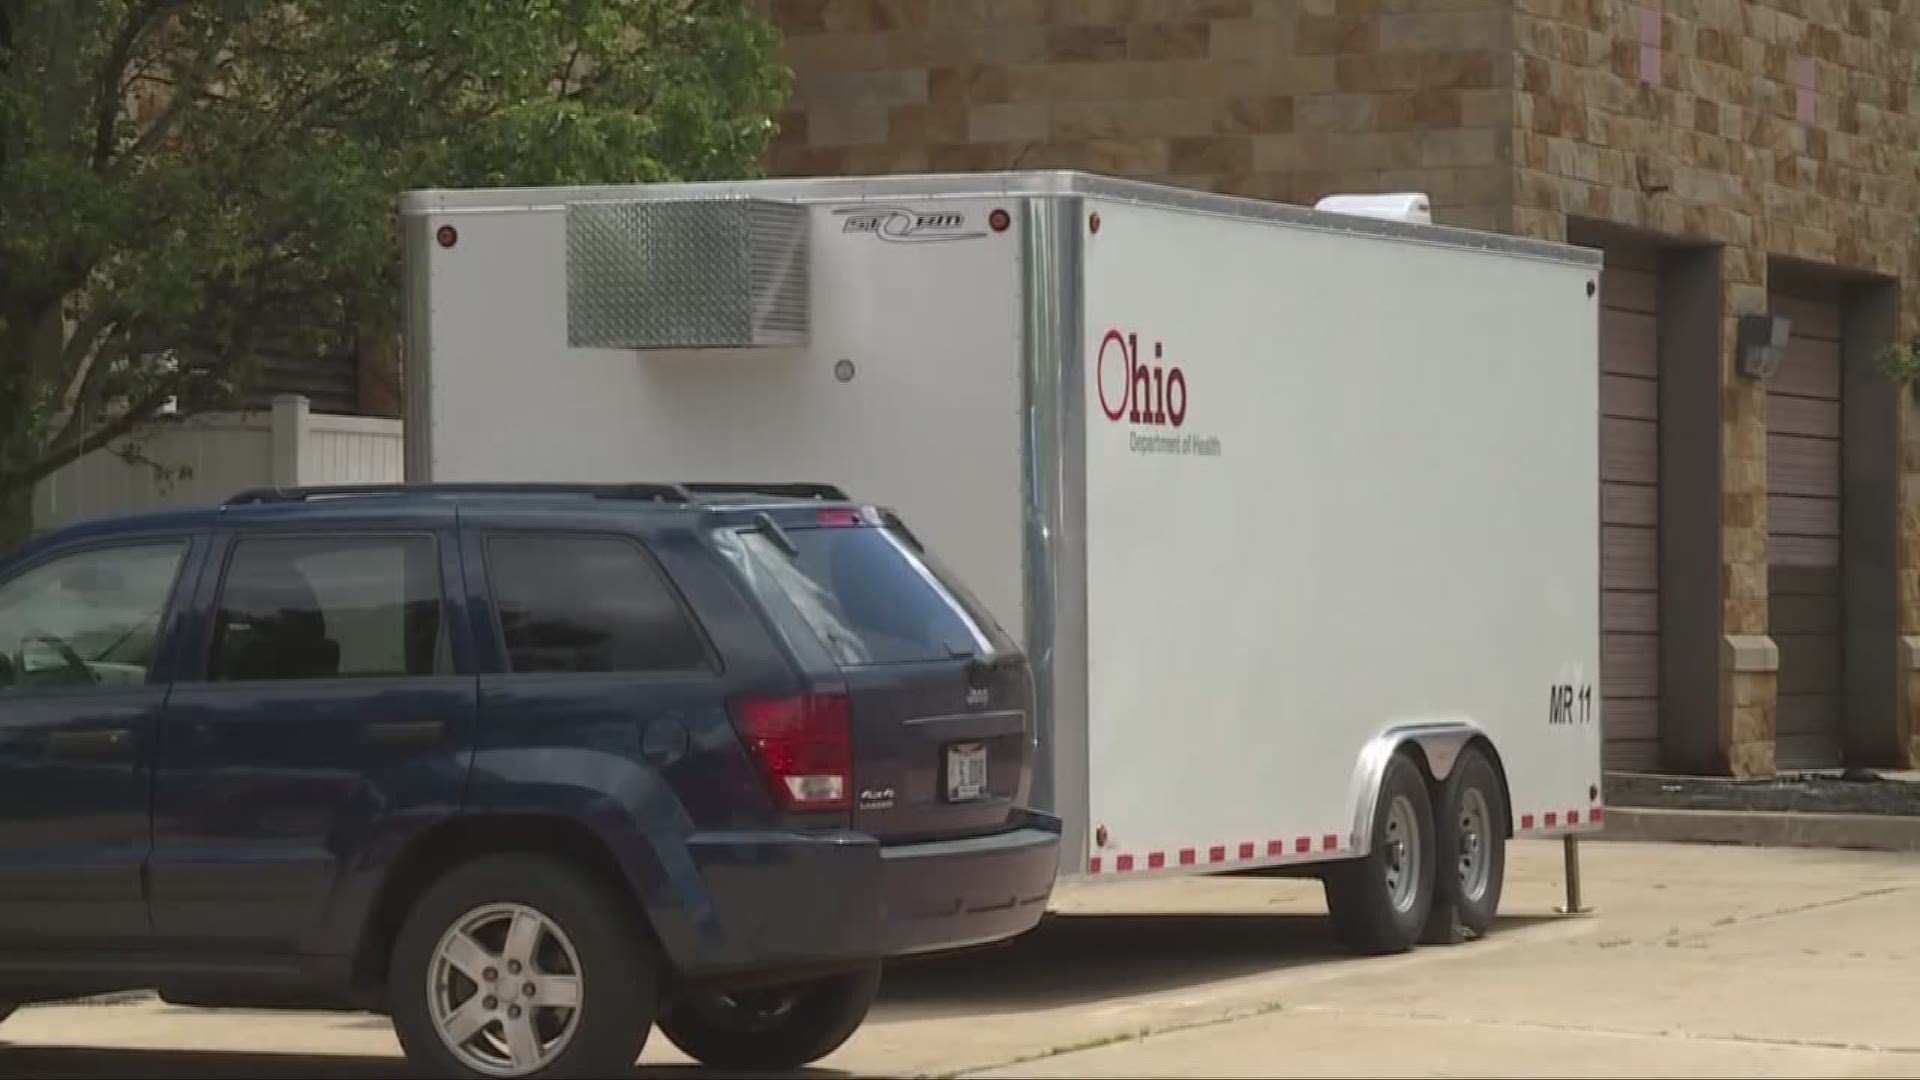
x=977 y=695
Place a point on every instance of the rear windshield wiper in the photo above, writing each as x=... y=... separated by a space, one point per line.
x=989 y=659
x=765 y=524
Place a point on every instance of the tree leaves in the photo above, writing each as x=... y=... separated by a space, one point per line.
x=176 y=175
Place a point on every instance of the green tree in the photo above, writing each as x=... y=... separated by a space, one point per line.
x=177 y=176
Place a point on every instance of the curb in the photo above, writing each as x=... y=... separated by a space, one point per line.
x=1759 y=828
x=113 y=999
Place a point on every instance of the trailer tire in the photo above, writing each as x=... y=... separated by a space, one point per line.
x=1470 y=836
x=1380 y=903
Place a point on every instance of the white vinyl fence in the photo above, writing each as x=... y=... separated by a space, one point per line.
x=225 y=453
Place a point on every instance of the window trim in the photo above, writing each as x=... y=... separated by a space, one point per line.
x=169 y=613
x=715 y=668
x=202 y=664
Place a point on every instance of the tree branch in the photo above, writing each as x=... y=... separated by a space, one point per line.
x=85 y=390
x=64 y=454
x=71 y=445
x=89 y=329
x=566 y=73
x=61 y=26
x=155 y=132
x=186 y=89
x=113 y=82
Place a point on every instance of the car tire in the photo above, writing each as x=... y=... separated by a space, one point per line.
x=534 y=920
x=1470 y=841
x=775 y=1029
x=1380 y=903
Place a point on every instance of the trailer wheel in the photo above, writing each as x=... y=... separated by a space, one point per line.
x=1471 y=838
x=1380 y=903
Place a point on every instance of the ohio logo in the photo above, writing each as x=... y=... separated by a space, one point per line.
x=1138 y=393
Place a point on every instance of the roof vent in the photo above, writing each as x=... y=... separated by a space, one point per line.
x=1410 y=206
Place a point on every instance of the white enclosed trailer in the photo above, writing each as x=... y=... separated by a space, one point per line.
x=1285 y=505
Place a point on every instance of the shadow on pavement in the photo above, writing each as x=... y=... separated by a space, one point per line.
x=73 y=1063
x=1068 y=960
x=1080 y=959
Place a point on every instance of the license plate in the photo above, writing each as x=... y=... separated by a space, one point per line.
x=966 y=772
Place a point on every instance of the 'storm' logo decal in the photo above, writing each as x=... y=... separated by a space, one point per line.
x=902 y=225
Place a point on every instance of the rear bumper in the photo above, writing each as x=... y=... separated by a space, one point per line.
x=958 y=893
x=792 y=903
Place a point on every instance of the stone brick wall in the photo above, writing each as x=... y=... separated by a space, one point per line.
x=1272 y=98
x=1778 y=129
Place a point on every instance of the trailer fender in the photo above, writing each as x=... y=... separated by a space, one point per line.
x=1439 y=743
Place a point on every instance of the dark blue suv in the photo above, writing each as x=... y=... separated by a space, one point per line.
x=529 y=768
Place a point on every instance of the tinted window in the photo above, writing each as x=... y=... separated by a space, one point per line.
x=588 y=603
x=870 y=597
x=88 y=619
x=312 y=608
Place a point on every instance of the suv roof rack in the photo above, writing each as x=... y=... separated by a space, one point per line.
x=639 y=492
x=644 y=492
x=801 y=490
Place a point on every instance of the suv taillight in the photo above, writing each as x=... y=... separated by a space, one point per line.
x=804 y=747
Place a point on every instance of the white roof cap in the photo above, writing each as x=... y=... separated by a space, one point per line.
x=1398 y=206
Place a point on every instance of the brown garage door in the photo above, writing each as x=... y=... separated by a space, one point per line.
x=1630 y=513
x=1803 y=534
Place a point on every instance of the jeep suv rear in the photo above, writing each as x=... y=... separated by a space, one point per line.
x=530 y=768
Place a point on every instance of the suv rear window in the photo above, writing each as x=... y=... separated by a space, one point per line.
x=870 y=596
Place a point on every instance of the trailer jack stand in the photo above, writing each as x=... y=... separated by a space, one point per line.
x=1570 y=844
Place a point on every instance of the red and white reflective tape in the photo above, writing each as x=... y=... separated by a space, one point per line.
x=1215 y=855
x=1556 y=819
x=1295 y=847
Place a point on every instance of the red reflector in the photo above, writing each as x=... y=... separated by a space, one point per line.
x=839 y=518
x=804 y=747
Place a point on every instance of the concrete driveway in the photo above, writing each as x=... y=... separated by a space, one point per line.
x=1698 y=961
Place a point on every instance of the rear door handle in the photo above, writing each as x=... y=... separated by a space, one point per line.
x=405 y=732
x=99 y=742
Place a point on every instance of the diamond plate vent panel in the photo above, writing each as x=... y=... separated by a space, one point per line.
x=686 y=274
